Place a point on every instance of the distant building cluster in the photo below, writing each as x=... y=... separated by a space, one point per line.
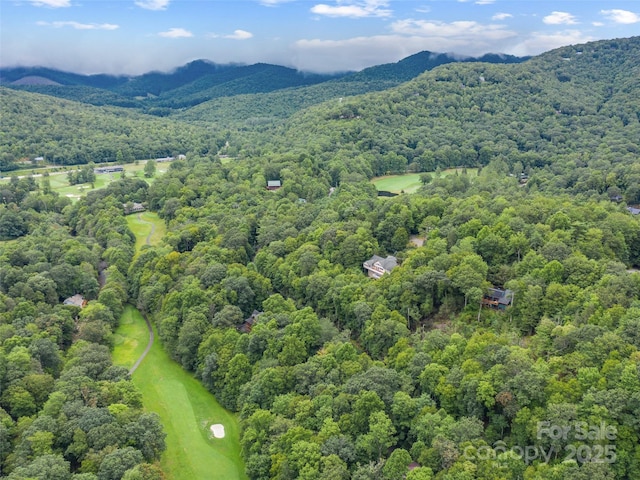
x=109 y=169
x=170 y=159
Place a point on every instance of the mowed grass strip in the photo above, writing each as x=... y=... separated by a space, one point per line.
x=146 y=225
x=397 y=183
x=187 y=410
x=130 y=338
x=410 y=182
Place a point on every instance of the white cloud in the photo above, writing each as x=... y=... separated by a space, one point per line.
x=153 y=4
x=466 y=38
x=539 y=42
x=272 y=3
x=239 y=35
x=560 y=18
x=459 y=31
x=621 y=16
x=485 y=2
x=597 y=24
x=236 y=35
x=501 y=16
x=79 y=26
x=176 y=33
x=354 y=9
x=409 y=37
x=51 y=3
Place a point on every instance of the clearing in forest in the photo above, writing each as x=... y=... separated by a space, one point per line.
x=130 y=338
x=410 y=182
x=147 y=227
x=187 y=410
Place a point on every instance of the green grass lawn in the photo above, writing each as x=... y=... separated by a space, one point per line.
x=59 y=182
x=187 y=411
x=410 y=182
x=130 y=338
x=397 y=183
x=142 y=228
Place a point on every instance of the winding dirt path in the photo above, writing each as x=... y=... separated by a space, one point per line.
x=151 y=336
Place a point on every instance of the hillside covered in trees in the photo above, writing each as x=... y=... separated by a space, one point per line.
x=343 y=376
x=70 y=133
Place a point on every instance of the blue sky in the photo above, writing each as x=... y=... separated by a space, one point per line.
x=137 y=36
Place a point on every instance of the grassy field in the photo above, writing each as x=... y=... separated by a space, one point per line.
x=410 y=182
x=146 y=225
x=186 y=409
x=130 y=338
x=397 y=183
x=59 y=182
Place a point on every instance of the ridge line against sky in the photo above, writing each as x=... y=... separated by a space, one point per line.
x=137 y=36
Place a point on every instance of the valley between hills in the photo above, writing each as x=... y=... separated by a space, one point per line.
x=424 y=270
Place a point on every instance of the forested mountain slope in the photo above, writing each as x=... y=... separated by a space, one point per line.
x=347 y=377
x=413 y=65
x=570 y=108
x=30 y=76
x=267 y=107
x=70 y=133
x=201 y=81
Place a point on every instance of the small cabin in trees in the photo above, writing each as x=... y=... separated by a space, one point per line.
x=76 y=300
x=633 y=210
x=133 y=207
x=497 y=298
x=378 y=266
x=248 y=323
x=274 y=184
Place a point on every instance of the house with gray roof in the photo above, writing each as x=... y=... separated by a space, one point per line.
x=497 y=298
x=76 y=300
x=633 y=210
x=273 y=184
x=378 y=266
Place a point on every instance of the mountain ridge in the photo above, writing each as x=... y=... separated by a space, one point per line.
x=202 y=80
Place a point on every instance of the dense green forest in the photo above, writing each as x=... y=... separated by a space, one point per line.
x=69 y=133
x=342 y=376
x=64 y=406
x=241 y=95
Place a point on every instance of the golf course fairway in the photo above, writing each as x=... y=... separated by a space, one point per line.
x=187 y=410
x=147 y=227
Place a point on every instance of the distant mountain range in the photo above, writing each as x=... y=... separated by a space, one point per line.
x=461 y=113
x=201 y=80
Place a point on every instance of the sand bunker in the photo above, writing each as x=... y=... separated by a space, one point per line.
x=217 y=430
